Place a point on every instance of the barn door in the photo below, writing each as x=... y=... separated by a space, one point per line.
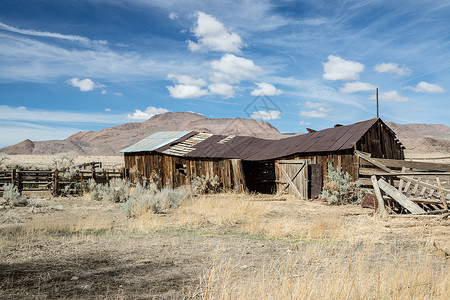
x=315 y=179
x=292 y=177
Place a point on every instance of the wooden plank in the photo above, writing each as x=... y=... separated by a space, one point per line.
x=394 y=163
x=409 y=173
x=400 y=198
x=376 y=188
x=293 y=161
x=442 y=193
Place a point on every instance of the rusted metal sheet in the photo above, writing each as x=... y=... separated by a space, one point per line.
x=157 y=140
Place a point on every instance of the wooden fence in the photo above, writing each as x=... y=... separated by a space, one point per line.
x=54 y=181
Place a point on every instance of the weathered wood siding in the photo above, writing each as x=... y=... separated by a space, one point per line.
x=176 y=171
x=381 y=142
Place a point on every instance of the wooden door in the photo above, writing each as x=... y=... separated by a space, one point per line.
x=315 y=179
x=292 y=177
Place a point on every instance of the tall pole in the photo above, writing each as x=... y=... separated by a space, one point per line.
x=378 y=113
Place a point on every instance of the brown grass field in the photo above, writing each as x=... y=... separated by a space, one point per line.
x=223 y=246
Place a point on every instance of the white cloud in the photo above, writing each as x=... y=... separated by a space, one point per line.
x=107 y=109
x=36 y=115
x=212 y=35
x=390 y=96
x=357 y=86
x=85 y=85
x=103 y=92
x=234 y=69
x=393 y=68
x=337 y=68
x=303 y=123
x=183 y=91
x=266 y=115
x=185 y=79
x=118 y=94
x=173 y=15
x=266 y=89
x=187 y=87
x=315 y=104
x=147 y=113
x=223 y=89
x=425 y=87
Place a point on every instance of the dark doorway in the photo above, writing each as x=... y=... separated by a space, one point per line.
x=260 y=176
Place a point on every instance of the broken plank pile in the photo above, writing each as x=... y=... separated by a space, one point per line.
x=410 y=193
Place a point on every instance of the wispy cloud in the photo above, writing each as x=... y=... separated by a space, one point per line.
x=266 y=115
x=320 y=113
x=393 y=68
x=76 y=38
x=8 y=113
x=392 y=96
x=425 y=87
x=357 y=86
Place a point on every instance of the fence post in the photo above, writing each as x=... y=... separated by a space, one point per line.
x=13 y=177
x=55 y=183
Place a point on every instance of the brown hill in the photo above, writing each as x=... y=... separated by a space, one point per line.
x=423 y=138
x=110 y=141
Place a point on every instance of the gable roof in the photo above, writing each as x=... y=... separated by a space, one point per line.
x=201 y=145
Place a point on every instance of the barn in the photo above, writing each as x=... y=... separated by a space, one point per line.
x=296 y=164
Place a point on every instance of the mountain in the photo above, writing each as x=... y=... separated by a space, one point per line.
x=110 y=141
x=417 y=138
x=423 y=138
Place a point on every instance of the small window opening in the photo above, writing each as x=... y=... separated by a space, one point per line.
x=181 y=168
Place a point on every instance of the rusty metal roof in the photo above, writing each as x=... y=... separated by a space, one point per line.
x=157 y=140
x=251 y=148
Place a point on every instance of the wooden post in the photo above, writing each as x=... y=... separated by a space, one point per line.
x=378 y=114
x=442 y=192
x=13 y=177
x=376 y=188
x=55 y=183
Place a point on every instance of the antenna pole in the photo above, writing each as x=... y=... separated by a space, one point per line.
x=378 y=113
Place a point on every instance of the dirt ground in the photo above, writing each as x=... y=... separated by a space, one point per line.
x=76 y=248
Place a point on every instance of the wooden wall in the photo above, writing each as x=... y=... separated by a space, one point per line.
x=381 y=142
x=175 y=171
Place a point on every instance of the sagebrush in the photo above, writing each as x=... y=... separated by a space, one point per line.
x=339 y=188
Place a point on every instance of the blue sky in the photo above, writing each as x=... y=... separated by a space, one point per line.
x=67 y=66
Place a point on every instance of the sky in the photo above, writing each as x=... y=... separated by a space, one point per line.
x=70 y=66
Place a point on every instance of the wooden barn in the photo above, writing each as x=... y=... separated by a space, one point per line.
x=296 y=164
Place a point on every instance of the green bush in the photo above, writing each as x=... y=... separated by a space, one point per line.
x=203 y=185
x=340 y=189
x=116 y=190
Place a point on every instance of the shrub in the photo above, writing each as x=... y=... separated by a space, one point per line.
x=12 y=196
x=3 y=157
x=339 y=188
x=144 y=199
x=116 y=190
x=204 y=185
x=64 y=161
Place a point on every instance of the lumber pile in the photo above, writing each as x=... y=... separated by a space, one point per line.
x=410 y=193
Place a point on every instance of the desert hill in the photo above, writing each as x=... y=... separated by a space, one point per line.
x=423 y=138
x=417 y=138
x=110 y=141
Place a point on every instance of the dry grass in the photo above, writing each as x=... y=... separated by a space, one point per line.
x=226 y=246
x=337 y=274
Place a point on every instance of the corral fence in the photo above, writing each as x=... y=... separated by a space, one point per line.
x=58 y=182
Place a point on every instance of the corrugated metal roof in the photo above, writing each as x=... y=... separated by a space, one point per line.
x=156 y=140
x=253 y=149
